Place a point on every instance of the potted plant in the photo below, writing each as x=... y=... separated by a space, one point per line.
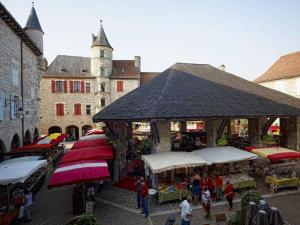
x=145 y=146
x=222 y=141
x=267 y=139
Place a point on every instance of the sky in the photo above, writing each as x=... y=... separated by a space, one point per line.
x=246 y=36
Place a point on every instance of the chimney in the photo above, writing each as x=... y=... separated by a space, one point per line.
x=137 y=61
x=222 y=67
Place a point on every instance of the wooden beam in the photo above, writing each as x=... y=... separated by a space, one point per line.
x=268 y=124
x=222 y=128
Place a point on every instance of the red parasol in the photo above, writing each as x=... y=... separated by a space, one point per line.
x=79 y=172
x=88 y=153
x=90 y=143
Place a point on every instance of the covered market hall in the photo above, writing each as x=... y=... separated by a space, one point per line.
x=200 y=92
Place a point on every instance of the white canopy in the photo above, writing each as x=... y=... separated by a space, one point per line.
x=21 y=159
x=18 y=172
x=224 y=154
x=92 y=137
x=163 y=161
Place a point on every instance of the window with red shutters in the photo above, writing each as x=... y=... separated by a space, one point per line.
x=119 y=86
x=77 y=109
x=82 y=87
x=59 y=109
x=65 y=86
x=53 y=86
x=71 y=87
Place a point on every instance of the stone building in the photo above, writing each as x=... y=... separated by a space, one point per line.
x=21 y=68
x=283 y=75
x=75 y=88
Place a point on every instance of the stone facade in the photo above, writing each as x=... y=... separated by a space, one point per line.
x=20 y=73
x=109 y=80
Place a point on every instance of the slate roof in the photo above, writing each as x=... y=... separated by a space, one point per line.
x=17 y=29
x=286 y=66
x=64 y=65
x=147 y=76
x=33 y=21
x=199 y=91
x=125 y=69
x=101 y=39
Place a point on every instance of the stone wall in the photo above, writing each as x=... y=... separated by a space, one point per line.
x=128 y=86
x=10 y=85
x=49 y=101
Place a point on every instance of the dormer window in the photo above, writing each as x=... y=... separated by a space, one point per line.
x=101 y=53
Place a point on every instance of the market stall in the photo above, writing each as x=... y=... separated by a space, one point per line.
x=167 y=163
x=21 y=173
x=230 y=157
x=278 y=166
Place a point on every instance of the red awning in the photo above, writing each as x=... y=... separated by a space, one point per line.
x=94 y=131
x=88 y=153
x=32 y=148
x=90 y=143
x=79 y=172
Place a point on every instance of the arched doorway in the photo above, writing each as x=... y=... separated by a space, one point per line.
x=54 y=129
x=73 y=132
x=85 y=129
x=2 y=150
x=27 y=138
x=16 y=142
x=36 y=134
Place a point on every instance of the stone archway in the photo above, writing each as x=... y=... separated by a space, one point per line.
x=15 y=142
x=73 y=132
x=27 y=138
x=2 y=150
x=54 y=129
x=85 y=129
x=36 y=134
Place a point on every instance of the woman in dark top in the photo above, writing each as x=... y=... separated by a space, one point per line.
x=196 y=190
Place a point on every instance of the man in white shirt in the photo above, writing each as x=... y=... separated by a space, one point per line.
x=186 y=212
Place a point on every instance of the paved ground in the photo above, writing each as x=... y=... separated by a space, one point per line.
x=54 y=207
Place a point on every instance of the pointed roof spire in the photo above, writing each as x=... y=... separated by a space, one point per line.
x=101 y=39
x=33 y=21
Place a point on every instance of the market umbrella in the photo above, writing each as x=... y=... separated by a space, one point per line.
x=88 y=153
x=92 y=137
x=263 y=205
x=261 y=218
x=275 y=217
x=251 y=211
x=79 y=172
x=21 y=159
x=90 y=143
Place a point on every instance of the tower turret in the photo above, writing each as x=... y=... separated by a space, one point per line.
x=33 y=29
x=101 y=54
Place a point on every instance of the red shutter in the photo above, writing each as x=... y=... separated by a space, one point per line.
x=65 y=86
x=53 y=86
x=77 y=109
x=82 y=87
x=119 y=86
x=71 y=86
x=59 y=109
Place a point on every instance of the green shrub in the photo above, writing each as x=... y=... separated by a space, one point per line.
x=267 y=138
x=222 y=141
x=236 y=219
x=252 y=196
x=145 y=146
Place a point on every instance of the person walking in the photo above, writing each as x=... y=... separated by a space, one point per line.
x=206 y=202
x=229 y=194
x=219 y=187
x=196 y=191
x=186 y=212
x=27 y=205
x=144 y=198
x=138 y=185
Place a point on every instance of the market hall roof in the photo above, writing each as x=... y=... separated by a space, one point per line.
x=33 y=21
x=195 y=91
x=15 y=26
x=286 y=66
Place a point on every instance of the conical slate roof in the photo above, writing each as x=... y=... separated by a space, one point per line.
x=195 y=91
x=101 y=39
x=33 y=21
